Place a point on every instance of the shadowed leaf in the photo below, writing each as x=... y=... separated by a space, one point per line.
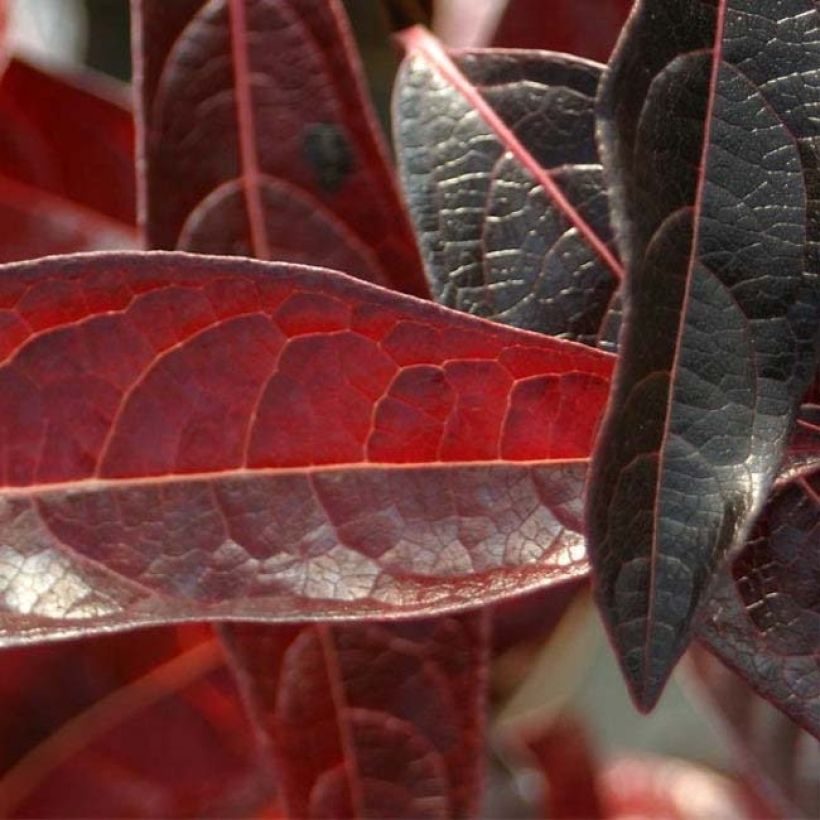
x=373 y=720
x=588 y=29
x=764 y=617
x=777 y=760
x=259 y=139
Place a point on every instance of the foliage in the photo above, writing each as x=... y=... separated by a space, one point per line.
x=360 y=485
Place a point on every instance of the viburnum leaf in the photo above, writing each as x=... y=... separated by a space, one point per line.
x=709 y=135
x=259 y=139
x=501 y=174
x=588 y=30
x=371 y=720
x=763 y=618
x=777 y=759
x=189 y=438
x=142 y=724
x=66 y=164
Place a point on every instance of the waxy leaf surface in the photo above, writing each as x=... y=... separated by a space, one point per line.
x=188 y=438
x=500 y=169
x=371 y=720
x=708 y=132
x=588 y=29
x=259 y=140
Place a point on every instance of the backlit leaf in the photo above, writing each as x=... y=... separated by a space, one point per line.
x=187 y=438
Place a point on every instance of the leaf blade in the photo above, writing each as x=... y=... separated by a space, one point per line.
x=405 y=739
x=500 y=170
x=124 y=449
x=673 y=493
x=320 y=193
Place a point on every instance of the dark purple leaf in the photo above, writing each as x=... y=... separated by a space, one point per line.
x=375 y=720
x=778 y=761
x=708 y=135
x=500 y=169
x=764 y=616
x=258 y=139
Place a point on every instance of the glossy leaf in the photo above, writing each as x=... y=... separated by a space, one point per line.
x=166 y=416
x=145 y=724
x=764 y=617
x=588 y=29
x=777 y=760
x=372 y=720
x=500 y=170
x=258 y=139
x=707 y=134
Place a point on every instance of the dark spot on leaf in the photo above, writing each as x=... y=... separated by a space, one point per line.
x=327 y=152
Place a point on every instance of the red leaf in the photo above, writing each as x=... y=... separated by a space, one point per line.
x=561 y=753
x=136 y=725
x=70 y=137
x=586 y=29
x=187 y=438
x=36 y=223
x=66 y=166
x=272 y=150
x=377 y=720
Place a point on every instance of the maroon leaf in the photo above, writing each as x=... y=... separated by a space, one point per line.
x=259 y=140
x=561 y=753
x=586 y=29
x=500 y=169
x=377 y=720
x=66 y=165
x=705 y=128
x=35 y=223
x=187 y=438
x=764 y=617
x=71 y=137
x=136 y=725
x=777 y=759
